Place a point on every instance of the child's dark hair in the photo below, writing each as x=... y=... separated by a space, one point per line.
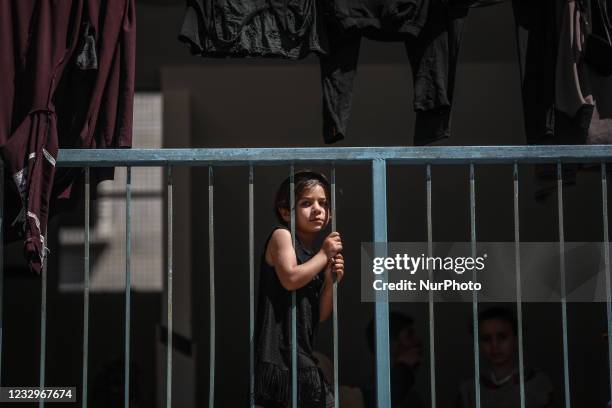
x=397 y=322
x=304 y=181
x=497 y=313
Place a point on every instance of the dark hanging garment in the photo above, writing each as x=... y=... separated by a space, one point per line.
x=269 y=28
x=598 y=66
x=560 y=88
x=537 y=42
x=566 y=99
x=273 y=340
x=67 y=72
x=431 y=33
x=598 y=42
x=376 y=17
x=474 y=3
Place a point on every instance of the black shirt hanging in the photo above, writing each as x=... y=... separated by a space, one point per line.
x=269 y=28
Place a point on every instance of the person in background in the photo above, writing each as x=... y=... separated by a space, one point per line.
x=406 y=353
x=500 y=377
x=348 y=397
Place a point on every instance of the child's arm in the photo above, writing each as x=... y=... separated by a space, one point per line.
x=326 y=299
x=281 y=255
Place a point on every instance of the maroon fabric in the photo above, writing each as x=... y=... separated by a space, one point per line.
x=67 y=70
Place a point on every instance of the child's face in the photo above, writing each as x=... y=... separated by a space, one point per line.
x=497 y=341
x=311 y=211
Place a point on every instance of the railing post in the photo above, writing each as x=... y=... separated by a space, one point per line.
x=43 y=329
x=294 y=362
x=379 y=196
x=211 y=251
x=1 y=263
x=519 y=293
x=606 y=242
x=86 y=291
x=474 y=293
x=128 y=283
x=169 y=349
x=251 y=289
x=432 y=321
x=335 y=294
x=563 y=287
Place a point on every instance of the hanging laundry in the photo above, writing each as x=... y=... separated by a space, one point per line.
x=431 y=32
x=537 y=42
x=599 y=71
x=561 y=89
x=598 y=39
x=381 y=18
x=600 y=128
x=269 y=28
x=566 y=99
x=475 y=3
x=574 y=103
x=68 y=82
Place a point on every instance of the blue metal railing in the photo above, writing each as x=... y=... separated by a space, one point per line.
x=345 y=155
x=379 y=158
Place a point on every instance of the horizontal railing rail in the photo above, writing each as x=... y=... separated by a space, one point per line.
x=392 y=155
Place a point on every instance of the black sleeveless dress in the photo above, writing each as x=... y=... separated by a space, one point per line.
x=273 y=340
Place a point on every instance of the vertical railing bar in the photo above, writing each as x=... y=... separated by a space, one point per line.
x=379 y=197
x=519 y=292
x=294 y=384
x=86 y=290
x=211 y=251
x=1 y=263
x=128 y=282
x=432 y=325
x=43 y=325
x=169 y=349
x=335 y=293
x=604 y=196
x=563 y=289
x=334 y=221
x=474 y=293
x=251 y=289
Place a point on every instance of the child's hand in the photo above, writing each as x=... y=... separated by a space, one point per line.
x=332 y=245
x=337 y=266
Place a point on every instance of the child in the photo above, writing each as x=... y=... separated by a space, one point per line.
x=500 y=381
x=285 y=269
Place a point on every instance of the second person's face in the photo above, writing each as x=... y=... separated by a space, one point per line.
x=497 y=341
